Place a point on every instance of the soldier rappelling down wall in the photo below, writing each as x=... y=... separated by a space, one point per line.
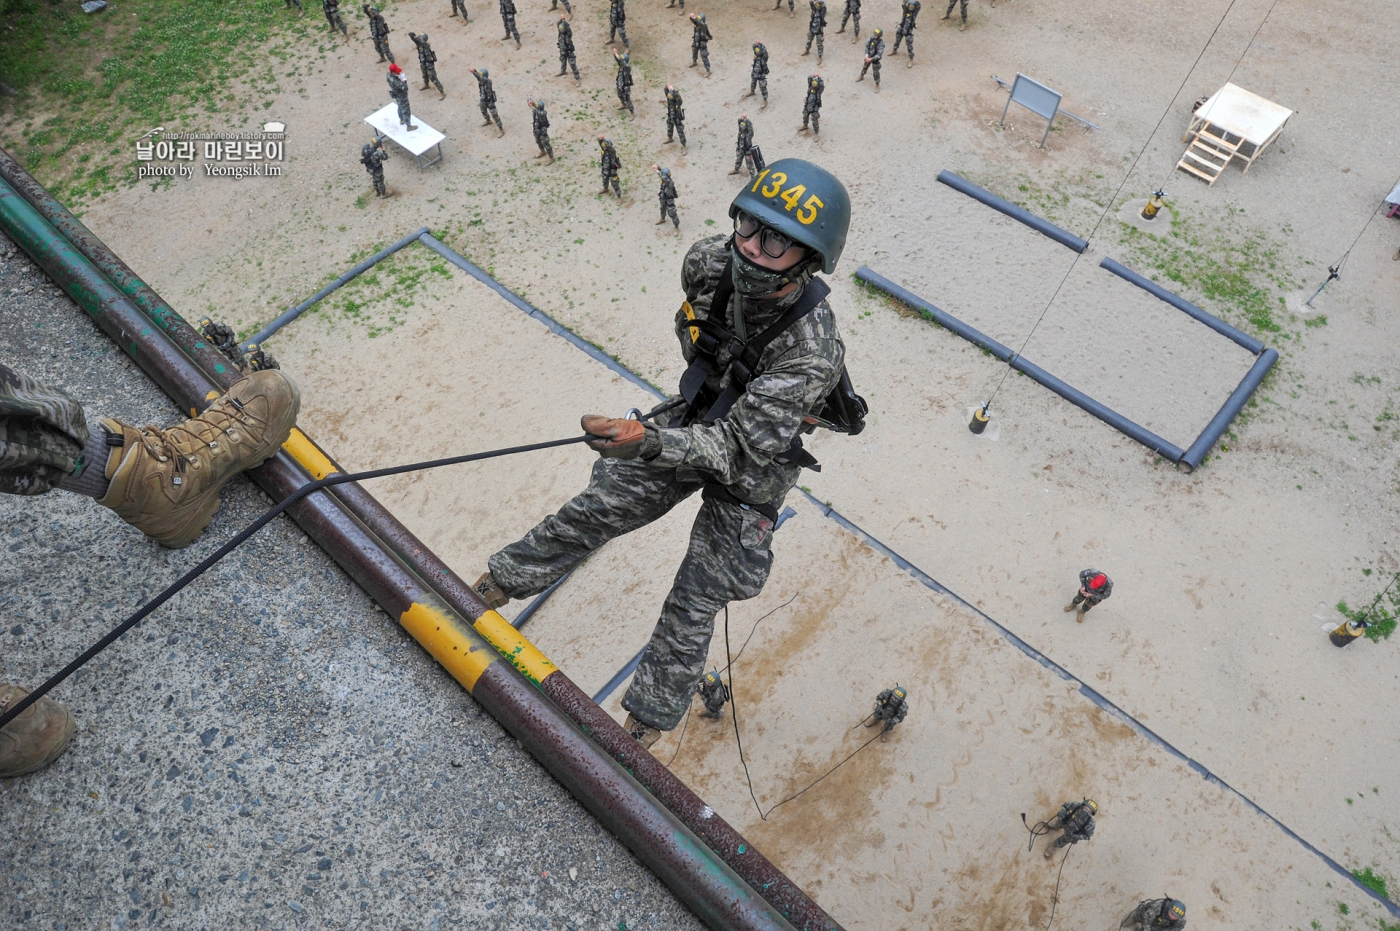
x=766 y=364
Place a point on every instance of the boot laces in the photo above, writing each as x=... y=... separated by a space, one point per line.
x=182 y=441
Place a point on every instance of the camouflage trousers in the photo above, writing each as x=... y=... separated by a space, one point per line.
x=508 y=20
x=728 y=559
x=430 y=77
x=617 y=26
x=821 y=48
x=333 y=17
x=542 y=140
x=953 y=3
x=700 y=51
x=405 y=112
x=381 y=45
x=460 y=5
x=488 y=113
x=377 y=175
x=42 y=434
x=676 y=126
x=907 y=38
x=814 y=114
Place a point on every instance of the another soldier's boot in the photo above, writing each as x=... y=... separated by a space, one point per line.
x=34 y=739
x=1070 y=607
x=660 y=221
x=166 y=483
x=644 y=734
x=490 y=591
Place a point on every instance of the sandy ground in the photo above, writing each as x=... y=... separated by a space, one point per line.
x=1223 y=577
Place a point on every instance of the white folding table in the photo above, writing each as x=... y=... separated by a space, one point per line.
x=418 y=143
x=1232 y=123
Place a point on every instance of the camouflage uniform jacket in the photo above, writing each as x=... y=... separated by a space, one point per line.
x=617 y=12
x=890 y=708
x=795 y=374
x=566 y=38
x=1150 y=918
x=745 y=134
x=541 y=120
x=507 y=8
x=813 y=102
x=42 y=433
x=624 y=74
x=378 y=28
x=488 y=92
x=398 y=87
x=674 y=107
x=911 y=12
x=426 y=56
x=667 y=194
x=1094 y=597
x=875 y=48
x=818 y=22
x=1077 y=820
x=760 y=63
x=702 y=35
x=611 y=163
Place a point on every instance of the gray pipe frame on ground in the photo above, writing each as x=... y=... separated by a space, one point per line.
x=757 y=870
x=705 y=883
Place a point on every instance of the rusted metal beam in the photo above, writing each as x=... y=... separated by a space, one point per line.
x=701 y=880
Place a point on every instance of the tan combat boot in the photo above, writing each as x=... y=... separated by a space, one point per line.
x=643 y=733
x=166 y=483
x=490 y=591
x=34 y=739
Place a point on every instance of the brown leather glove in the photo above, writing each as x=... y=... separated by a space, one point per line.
x=615 y=438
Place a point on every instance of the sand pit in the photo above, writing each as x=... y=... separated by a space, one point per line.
x=1213 y=635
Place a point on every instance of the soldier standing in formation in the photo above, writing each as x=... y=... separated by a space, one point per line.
x=740 y=462
x=508 y=20
x=373 y=157
x=398 y=89
x=332 y=11
x=297 y=3
x=624 y=82
x=610 y=166
x=488 y=100
x=758 y=74
x=541 y=127
x=1094 y=587
x=953 y=3
x=816 y=29
x=743 y=148
x=905 y=32
x=792 y=7
x=566 y=49
x=874 y=51
x=1165 y=914
x=1077 y=820
x=379 y=32
x=700 y=41
x=554 y=5
x=427 y=60
x=667 y=196
x=460 y=5
x=852 y=12
x=675 y=114
x=812 y=106
x=617 y=21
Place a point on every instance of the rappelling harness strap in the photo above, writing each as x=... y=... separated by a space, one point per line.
x=714 y=491
x=843 y=410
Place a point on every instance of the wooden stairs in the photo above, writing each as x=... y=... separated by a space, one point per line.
x=1210 y=151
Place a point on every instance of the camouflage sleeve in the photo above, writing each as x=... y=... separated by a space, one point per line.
x=42 y=433
x=1085 y=576
x=764 y=421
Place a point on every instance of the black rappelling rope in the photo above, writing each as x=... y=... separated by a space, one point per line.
x=1055 y=900
x=239 y=538
x=1035 y=831
x=734 y=711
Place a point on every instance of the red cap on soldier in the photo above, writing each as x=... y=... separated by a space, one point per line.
x=1098 y=580
x=395 y=68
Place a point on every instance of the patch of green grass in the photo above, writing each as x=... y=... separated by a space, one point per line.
x=1373 y=881
x=1319 y=321
x=1381 y=617
x=1343 y=908
x=1231 y=267
x=90 y=85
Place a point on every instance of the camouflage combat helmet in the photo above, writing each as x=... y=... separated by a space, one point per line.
x=804 y=202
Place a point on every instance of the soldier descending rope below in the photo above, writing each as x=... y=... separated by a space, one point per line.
x=891 y=706
x=487 y=100
x=700 y=41
x=427 y=61
x=905 y=32
x=1164 y=914
x=378 y=32
x=566 y=49
x=735 y=441
x=1077 y=820
x=816 y=29
x=541 y=128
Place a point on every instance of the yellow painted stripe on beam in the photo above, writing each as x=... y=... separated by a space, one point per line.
x=441 y=633
x=305 y=452
x=523 y=654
